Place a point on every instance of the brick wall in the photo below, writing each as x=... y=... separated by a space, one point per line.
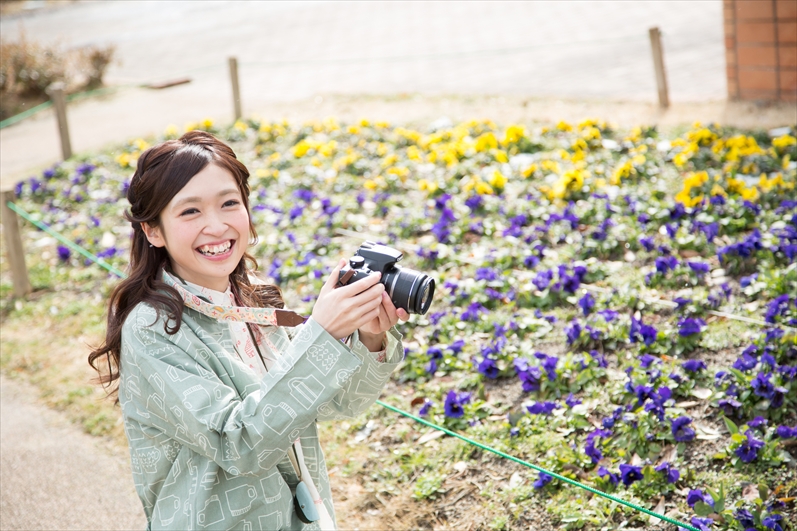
x=761 y=49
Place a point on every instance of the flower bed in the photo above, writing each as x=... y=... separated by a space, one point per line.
x=581 y=271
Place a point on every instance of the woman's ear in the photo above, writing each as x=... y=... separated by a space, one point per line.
x=153 y=235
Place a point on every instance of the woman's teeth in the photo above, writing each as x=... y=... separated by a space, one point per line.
x=212 y=250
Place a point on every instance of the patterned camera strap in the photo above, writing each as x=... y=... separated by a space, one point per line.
x=261 y=316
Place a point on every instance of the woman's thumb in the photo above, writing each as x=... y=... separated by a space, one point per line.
x=332 y=280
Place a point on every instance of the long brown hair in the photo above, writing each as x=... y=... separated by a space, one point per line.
x=162 y=171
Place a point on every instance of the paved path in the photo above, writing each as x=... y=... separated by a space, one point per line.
x=296 y=51
x=54 y=476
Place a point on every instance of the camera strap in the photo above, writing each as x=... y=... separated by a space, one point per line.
x=261 y=316
x=307 y=502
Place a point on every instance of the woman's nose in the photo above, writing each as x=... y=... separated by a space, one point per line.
x=215 y=224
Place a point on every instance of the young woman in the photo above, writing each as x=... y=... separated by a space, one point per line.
x=220 y=387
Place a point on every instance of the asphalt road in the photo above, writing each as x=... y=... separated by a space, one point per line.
x=300 y=51
x=53 y=476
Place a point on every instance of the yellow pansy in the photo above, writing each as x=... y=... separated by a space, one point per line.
x=172 y=131
x=482 y=188
x=497 y=180
x=207 y=123
x=370 y=184
x=750 y=194
x=486 y=142
x=782 y=142
x=623 y=171
x=718 y=190
x=241 y=126
x=500 y=155
x=413 y=153
x=528 y=172
x=564 y=126
x=551 y=166
x=353 y=130
x=513 y=134
x=123 y=160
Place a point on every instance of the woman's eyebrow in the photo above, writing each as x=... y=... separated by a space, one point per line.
x=186 y=200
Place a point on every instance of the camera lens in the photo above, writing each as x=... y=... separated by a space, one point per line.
x=409 y=289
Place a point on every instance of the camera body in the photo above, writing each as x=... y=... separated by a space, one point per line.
x=407 y=289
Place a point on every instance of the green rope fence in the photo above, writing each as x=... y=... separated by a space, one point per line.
x=120 y=274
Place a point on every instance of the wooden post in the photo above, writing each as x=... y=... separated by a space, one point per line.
x=658 y=65
x=236 y=91
x=56 y=92
x=14 y=251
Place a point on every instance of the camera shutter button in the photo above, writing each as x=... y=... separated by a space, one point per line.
x=356 y=262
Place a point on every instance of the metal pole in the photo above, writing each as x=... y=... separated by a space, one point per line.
x=14 y=250
x=56 y=92
x=658 y=65
x=236 y=91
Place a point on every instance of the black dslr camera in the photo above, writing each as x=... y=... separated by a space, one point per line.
x=408 y=289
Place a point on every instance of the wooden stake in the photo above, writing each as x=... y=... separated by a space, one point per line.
x=658 y=65
x=56 y=92
x=236 y=91
x=14 y=251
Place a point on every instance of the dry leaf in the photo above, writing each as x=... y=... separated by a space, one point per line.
x=687 y=404
x=706 y=433
x=750 y=492
x=516 y=480
x=430 y=436
x=701 y=392
x=660 y=506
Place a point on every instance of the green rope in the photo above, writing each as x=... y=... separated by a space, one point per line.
x=615 y=499
x=538 y=468
x=75 y=247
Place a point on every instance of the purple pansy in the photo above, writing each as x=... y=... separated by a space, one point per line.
x=697 y=495
x=542 y=480
x=669 y=471
x=454 y=404
x=748 y=450
x=681 y=430
x=691 y=326
x=693 y=366
x=630 y=474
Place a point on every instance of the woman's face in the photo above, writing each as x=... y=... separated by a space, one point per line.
x=204 y=228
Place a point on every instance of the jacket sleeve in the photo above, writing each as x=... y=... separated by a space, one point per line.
x=177 y=392
x=368 y=380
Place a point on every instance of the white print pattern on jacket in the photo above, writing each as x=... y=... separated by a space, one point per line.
x=205 y=430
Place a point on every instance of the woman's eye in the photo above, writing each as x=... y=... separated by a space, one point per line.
x=189 y=211
x=231 y=202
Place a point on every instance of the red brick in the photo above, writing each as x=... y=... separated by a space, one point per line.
x=787 y=33
x=755 y=32
x=758 y=95
x=754 y=9
x=757 y=56
x=730 y=57
x=733 y=88
x=787 y=56
x=754 y=79
x=788 y=80
x=788 y=96
x=786 y=9
x=729 y=29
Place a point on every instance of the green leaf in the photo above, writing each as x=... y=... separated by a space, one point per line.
x=703 y=509
x=763 y=491
x=732 y=427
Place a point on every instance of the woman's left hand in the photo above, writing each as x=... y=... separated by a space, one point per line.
x=385 y=317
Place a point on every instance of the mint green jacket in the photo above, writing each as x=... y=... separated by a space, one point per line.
x=209 y=439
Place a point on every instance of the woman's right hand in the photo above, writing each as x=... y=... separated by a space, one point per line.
x=343 y=310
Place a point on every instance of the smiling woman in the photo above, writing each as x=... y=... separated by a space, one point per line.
x=220 y=387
